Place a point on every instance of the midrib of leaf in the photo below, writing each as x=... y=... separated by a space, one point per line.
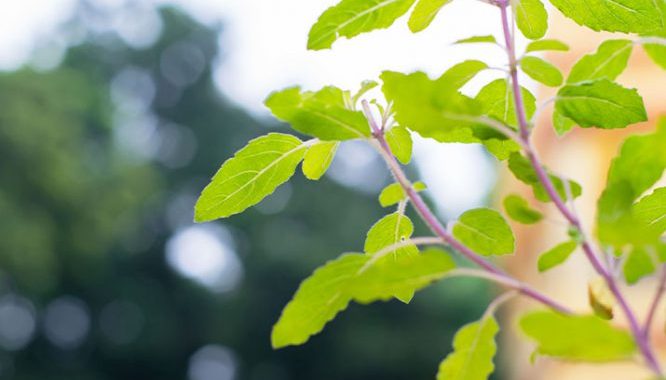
x=259 y=173
x=623 y=6
x=343 y=25
x=601 y=100
x=478 y=231
x=468 y=356
x=521 y=9
x=605 y=62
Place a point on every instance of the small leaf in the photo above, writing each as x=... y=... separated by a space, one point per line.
x=365 y=87
x=458 y=75
x=601 y=299
x=608 y=62
x=579 y=338
x=251 y=175
x=546 y=45
x=556 y=255
x=523 y=170
x=485 y=232
x=531 y=18
x=627 y=16
x=478 y=39
x=394 y=193
x=651 y=211
x=318 y=158
x=321 y=114
x=400 y=141
x=349 y=18
x=498 y=101
x=474 y=349
x=601 y=104
x=519 y=210
x=424 y=13
x=657 y=53
x=638 y=265
x=561 y=123
x=541 y=71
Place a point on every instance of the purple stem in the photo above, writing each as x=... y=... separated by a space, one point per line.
x=641 y=339
x=439 y=230
x=655 y=302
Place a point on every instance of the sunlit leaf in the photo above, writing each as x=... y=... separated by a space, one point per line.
x=318 y=158
x=485 y=232
x=424 y=13
x=628 y=16
x=639 y=264
x=531 y=18
x=474 y=349
x=478 y=39
x=545 y=45
x=523 y=170
x=400 y=141
x=394 y=193
x=519 y=210
x=556 y=255
x=608 y=62
x=541 y=71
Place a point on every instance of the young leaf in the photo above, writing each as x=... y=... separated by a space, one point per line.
x=458 y=75
x=320 y=114
x=561 y=123
x=627 y=16
x=474 y=349
x=394 y=193
x=545 y=45
x=601 y=299
x=541 y=71
x=365 y=87
x=318 y=300
x=657 y=52
x=531 y=18
x=524 y=172
x=477 y=39
x=497 y=101
x=251 y=175
x=424 y=13
x=580 y=338
x=601 y=104
x=485 y=232
x=556 y=255
x=318 y=158
x=519 y=210
x=400 y=141
x=638 y=265
x=350 y=18
x=651 y=211
x=608 y=62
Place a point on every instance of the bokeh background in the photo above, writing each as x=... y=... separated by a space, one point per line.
x=113 y=116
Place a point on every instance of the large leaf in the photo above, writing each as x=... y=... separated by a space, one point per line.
x=580 y=338
x=651 y=211
x=350 y=18
x=320 y=114
x=318 y=158
x=524 y=172
x=519 y=210
x=251 y=175
x=330 y=288
x=424 y=13
x=485 y=232
x=556 y=255
x=628 y=16
x=531 y=18
x=474 y=349
x=601 y=104
x=541 y=71
x=497 y=101
x=608 y=62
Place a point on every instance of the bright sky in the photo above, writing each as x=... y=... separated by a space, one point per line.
x=264 y=44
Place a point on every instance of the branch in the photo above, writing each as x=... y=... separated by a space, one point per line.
x=655 y=302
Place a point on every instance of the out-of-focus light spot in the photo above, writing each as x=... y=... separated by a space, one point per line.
x=177 y=145
x=50 y=54
x=66 y=322
x=277 y=201
x=17 y=322
x=121 y=321
x=212 y=362
x=459 y=176
x=205 y=254
x=138 y=25
x=132 y=90
x=180 y=210
x=358 y=166
x=182 y=63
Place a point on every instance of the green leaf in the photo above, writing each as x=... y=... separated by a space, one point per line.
x=391 y=229
x=531 y=18
x=651 y=211
x=556 y=255
x=251 y=175
x=320 y=114
x=474 y=349
x=365 y=87
x=523 y=170
x=485 y=232
x=394 y=193
x=541 y=71
x=400 y=141
x=478 y=39
x=458 y=75
x=519 y=210
x=318 y=158
x=546 y=45
x=350 y=18
x=639 y=264
x=627 y=16
x=424 y=13
x=561 y=123
x=657 y=53
x=601 y=104
x=608 y=62
x=382 y=282
x=578 y=338
x=330 y=288
x=497 y=102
